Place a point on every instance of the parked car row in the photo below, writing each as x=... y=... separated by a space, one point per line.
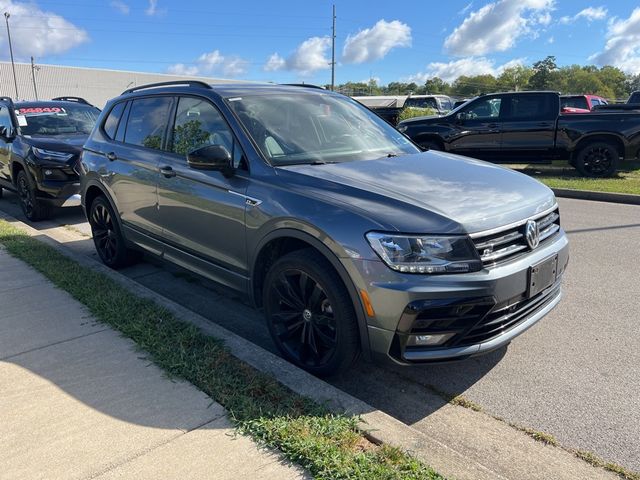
x=519 y=127
x=349 y=237
x=389 y=107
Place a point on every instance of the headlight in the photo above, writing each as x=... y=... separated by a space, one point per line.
x=43 y=154
x=426 y=253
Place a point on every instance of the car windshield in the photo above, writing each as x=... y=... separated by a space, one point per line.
x=304 y=128
x=52 y=120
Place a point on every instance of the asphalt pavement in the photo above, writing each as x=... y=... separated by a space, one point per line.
x=574 y=375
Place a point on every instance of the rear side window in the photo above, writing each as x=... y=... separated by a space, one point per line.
x=112 y=121
x=147 y=123
x=532 y=107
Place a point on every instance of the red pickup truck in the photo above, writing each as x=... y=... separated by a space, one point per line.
x=580 y=103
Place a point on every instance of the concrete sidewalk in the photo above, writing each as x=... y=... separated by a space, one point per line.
x=77 y=401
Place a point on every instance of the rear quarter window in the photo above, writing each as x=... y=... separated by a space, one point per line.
x=113 y=120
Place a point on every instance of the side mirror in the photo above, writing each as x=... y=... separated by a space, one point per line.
x=5 y=134
x=460 y=118
x=211 y=157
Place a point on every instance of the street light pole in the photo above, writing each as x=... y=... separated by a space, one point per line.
x=13 y=66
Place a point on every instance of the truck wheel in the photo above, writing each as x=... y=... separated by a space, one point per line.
x=32 y=208
x=310 y=313
x=598 y=159
x=107 y=236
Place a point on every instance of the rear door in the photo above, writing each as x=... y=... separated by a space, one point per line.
x=478 y=128
x=135 y=155
x=202 y=212
x=529 y=126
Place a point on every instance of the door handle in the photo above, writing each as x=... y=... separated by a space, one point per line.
x=167 y=172
x=111 y=156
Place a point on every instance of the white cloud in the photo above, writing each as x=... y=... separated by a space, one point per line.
x=622 y=48
x=466 y=8
x=590 y=14
x=122 y=7
x=310 y=56
x=468 y=66
x=374 y=43
x=153 y=10
x=37 y=32
x=497 y=26
x=212 y=63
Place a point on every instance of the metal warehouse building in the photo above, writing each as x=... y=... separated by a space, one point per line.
x=93 y=84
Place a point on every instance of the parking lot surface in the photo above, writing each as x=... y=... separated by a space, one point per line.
x=574 y=375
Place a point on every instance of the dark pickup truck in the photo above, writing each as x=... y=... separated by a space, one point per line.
x=528 y=127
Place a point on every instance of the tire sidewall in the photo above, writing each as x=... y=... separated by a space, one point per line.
x=33 y=216
x=120 y=259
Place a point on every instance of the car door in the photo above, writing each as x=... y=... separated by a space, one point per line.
x=529 y=126
x=5 y=144
x=202 y=212
x=134 y=159
x=478 y=128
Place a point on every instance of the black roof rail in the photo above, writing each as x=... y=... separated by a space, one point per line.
x=307 y=85
x=71 y=99
x=190 y=83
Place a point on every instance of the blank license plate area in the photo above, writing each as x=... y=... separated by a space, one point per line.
x=542 y=275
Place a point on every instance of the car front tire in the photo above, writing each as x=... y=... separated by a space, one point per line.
x=34 y=209
x=310 y=314
x=598 y=159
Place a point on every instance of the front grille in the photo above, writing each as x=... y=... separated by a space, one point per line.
x=504 y=244
x=506 y=316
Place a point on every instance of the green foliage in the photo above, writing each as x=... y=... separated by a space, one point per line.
x=189 y=136
x=412 y=112
x=543 y=73
x=329 y=446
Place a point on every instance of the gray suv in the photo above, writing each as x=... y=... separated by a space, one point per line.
x=347 y=235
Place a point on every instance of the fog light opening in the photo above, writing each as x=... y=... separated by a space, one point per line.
x=428 y=340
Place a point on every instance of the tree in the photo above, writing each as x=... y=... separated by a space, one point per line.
x=436 y=85
x=542 y=73
x=515 y=78
x=471 y=86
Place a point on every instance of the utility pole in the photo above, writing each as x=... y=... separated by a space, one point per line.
x=33 y=77
x=15 y=82
x=333 y=51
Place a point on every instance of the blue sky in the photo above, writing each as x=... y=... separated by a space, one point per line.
x=289 y=41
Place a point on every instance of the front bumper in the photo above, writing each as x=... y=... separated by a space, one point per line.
x=485 y=310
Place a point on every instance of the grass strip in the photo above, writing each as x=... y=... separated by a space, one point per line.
x=328 y=445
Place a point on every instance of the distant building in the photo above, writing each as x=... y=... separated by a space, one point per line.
x=93 y=84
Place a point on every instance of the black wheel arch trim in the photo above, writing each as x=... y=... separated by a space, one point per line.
x=333 y=259
x=106 y=194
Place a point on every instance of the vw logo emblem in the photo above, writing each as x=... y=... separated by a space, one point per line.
x=532 y=234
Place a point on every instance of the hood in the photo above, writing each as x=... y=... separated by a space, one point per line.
x=59 y=143
x=431 y=192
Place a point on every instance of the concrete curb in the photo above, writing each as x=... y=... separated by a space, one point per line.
x=625 y=198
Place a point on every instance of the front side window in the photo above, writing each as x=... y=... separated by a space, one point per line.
x=52 y=120
x=303 y=128
x=199 y=124
x=483 y=109
x=147 y=122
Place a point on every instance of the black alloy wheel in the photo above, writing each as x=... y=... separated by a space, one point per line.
x=107 y=236
x=598 y=159
x=31 y=207
x=310 y=315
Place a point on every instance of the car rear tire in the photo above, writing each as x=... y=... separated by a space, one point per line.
x=310 y=313
x=597 y=159
x=34 y=209
x=107 y=236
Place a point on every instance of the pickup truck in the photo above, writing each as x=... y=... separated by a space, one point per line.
x=528 y=127
x=580 y=103
x=389 y=107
